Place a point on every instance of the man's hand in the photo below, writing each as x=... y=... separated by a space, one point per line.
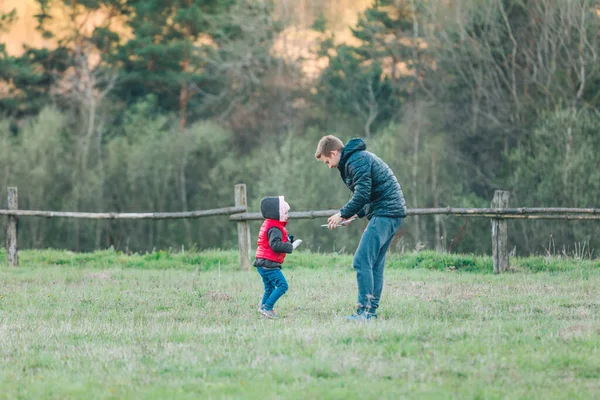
x=349 y=220
x=334 y=221
x=296 y=243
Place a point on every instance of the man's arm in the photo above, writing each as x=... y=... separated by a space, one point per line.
x=275 y=235
x=361 y=173
x=362 y=212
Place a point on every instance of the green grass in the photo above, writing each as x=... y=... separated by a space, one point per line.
x=184 y=325
x=228 y=260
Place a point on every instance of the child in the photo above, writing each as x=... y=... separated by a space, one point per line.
x=273 y=245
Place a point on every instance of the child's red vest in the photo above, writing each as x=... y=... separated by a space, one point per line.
x=264 y=250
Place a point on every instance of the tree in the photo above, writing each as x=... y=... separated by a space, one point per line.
x=374 y=77
x=7 y=64
x=557 y=166
x=28 y=79
x=199 y=57
x=195 y=55
x=507 y=62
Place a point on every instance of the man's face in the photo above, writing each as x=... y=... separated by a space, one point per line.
x=333 y=160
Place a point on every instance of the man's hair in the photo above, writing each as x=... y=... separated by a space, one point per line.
x=326 y=145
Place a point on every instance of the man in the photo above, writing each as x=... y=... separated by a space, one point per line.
x=377 y=195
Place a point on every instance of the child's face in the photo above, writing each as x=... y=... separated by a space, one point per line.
x=333 y=160
x=284 y=209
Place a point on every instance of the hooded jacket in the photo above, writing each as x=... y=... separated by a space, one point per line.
x=375 y=189
x=273 y=243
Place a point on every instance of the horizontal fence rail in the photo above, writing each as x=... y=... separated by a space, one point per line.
x=239 y=214
x=112 y=215
x=499 y=213
x=13 y=213
x=255 y=216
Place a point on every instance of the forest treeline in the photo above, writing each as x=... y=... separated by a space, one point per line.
x=165 y=106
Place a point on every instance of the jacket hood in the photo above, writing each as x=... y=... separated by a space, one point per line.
x=274 y=207
x=353 y=145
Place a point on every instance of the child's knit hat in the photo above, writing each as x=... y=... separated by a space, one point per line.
x=274 y=207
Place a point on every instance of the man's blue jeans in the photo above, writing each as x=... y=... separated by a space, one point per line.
x=369 y=260
x=275 y=286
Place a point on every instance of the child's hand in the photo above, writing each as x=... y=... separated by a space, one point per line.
x=296 y=243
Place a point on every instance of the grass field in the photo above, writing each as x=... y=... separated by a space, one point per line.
x=161 y=325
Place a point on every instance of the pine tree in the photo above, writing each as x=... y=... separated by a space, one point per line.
x=194 y=54
x=374 y=77
x=27 y=79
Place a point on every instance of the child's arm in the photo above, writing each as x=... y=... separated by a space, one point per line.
x=275 y=235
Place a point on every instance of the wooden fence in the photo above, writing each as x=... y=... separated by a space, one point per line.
x=499 y=212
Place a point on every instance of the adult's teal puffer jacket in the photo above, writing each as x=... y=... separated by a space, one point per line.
x=375 y=190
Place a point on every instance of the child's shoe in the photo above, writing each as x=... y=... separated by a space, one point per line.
x=270 y=314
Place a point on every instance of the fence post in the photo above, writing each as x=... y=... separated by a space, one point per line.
x=243 y=228
x=12 y=229
x=500 y=233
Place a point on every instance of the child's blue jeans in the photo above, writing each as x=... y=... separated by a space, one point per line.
x=275 y=286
